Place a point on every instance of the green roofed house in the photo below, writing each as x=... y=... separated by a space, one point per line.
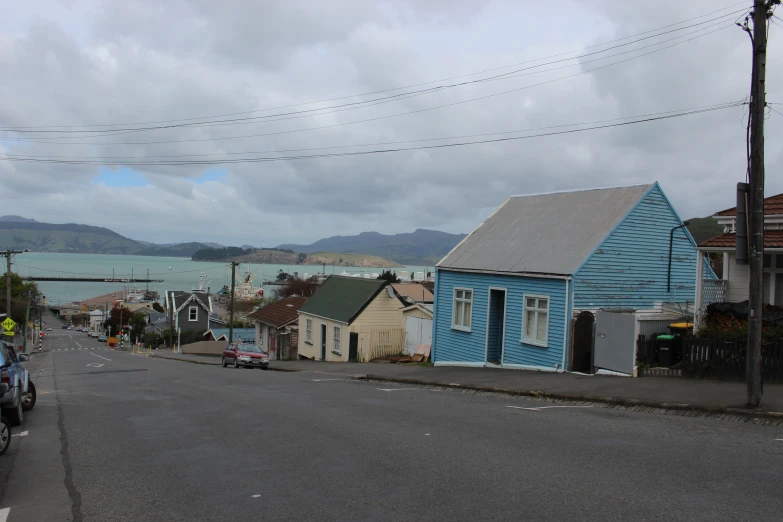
x=351 y=319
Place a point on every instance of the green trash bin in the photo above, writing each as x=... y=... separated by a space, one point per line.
x=665 y=344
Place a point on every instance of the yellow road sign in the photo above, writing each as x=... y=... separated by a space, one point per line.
x=8 y=324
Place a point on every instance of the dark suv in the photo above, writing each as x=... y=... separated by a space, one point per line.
x=21 y=395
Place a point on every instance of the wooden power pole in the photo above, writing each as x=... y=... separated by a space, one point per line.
x=761 y=9
x=234 y=266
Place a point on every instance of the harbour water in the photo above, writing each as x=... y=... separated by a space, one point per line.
x=177 y=273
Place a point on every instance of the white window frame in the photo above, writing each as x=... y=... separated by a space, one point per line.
x=336 y=338
x=308 y=331
x=460 y=326
x=775 y=267
x=525 y=309
x=190 y=313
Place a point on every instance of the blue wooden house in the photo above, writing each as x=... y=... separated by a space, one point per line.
x=510 y=293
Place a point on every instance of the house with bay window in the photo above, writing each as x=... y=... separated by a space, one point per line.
x=732 y=286
x=351 y=319
x=540 y=267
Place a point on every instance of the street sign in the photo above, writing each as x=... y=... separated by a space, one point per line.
x=8 y=324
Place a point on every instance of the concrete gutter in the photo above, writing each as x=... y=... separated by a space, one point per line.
x=776 y=417
x=215 y=363
x=712 y=411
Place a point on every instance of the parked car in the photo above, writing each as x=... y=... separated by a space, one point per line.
x=48 y=328
x=69 y=327
x=15 y=402
x=102 y=338
x=245 y=354
x=65 y=327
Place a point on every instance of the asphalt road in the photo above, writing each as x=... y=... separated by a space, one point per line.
x=121 y=437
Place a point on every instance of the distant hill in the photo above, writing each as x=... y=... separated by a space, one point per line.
x=81 y=239
x=422 y=247
x=16 y=219
x=289 y=257
x=176 y=250
x=704 y=228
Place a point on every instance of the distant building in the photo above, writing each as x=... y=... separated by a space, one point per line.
x=188 y=311
x=277 y=328
x=351 y=319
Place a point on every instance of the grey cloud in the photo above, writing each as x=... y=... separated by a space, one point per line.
x=148 y=61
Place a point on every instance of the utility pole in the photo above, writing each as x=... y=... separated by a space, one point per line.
x=26 y=321
x=8 y=254
x=761 y=11
x=234 y=266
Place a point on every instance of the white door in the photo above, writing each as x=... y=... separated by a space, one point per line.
x=417 y=331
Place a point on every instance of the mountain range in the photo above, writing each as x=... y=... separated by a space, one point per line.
x=421 y=247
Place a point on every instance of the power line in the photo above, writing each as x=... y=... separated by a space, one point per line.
x=103 y=275
x=121 y=159
x=426 y=147
x=385 y=116
x=210 y=123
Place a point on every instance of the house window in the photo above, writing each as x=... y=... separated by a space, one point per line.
x=336 y=347
x=309 y=331
x=193 y=313
x=536 y=320
x=463 y=309
x=772 y=287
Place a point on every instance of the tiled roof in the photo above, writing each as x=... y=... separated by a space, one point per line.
x=772 y=239
x=280 y=313
x=772 y=205
x=414 y=291
x=343 y=298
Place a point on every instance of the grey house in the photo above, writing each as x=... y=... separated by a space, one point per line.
x=188 y=311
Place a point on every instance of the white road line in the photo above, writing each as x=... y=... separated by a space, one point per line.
x=322 y=380
x=23 y=434
x=96 y=355
x=545 y=407
x=402 y=389
x=4 y=514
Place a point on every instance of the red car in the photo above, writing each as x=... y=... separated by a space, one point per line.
x=245 y=354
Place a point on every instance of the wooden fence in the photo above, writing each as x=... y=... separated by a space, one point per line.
x=384 y=342
x=714 y=358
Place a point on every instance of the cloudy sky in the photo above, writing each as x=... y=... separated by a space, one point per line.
x=107 y=65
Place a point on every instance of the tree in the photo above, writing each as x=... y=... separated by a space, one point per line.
x=137 y=323
x=297 y=286
x=283 y=276
x=158 y=307
x=113 y=322
x=389 y=276
x=21 y=291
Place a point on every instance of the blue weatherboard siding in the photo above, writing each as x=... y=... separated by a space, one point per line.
x=470 y=347
x=628 y=270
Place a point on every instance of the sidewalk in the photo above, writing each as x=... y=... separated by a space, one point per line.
x=659 y=392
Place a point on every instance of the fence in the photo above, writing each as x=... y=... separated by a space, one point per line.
x=205 y=347
x=712 y=291
x=715 y=358
x=385 y=342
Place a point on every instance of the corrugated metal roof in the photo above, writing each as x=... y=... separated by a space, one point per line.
x=546 y=233
x=342 y=298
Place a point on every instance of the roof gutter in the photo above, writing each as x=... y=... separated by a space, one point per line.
x=512 y=274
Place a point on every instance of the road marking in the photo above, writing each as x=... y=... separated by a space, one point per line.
x=256 y=495
x=95 y=365
x=781 y=440
x=322 y=380
x=403 y=389
x=102 y=357
x=23 y=434
x=539 y=408
x=426 y=434
x=4 y=514
x=77 y=344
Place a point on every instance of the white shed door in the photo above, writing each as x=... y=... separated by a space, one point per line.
x=417 y=331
